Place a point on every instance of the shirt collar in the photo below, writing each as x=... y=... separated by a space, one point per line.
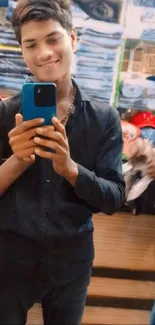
x=81 y=95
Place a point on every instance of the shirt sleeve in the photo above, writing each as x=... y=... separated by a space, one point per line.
x=2 y=132
x=104 y=188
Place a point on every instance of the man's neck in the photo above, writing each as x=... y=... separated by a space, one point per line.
x=65 y=94
x=65 y=89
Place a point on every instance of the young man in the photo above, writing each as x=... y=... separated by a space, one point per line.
x=47 y=199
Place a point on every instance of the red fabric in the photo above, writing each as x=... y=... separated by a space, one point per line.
x=143 y=119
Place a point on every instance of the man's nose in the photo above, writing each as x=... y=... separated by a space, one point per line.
x=44 y=53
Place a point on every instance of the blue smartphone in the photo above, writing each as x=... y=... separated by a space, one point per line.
x=39 y=101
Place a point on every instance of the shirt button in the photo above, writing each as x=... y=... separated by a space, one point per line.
x=46 y=215
x=47 y=181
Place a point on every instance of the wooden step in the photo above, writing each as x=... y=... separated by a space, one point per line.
x=125 y=241
x=35 y=315
x=99 y=316
x=101 y=288
x=113 y=316
x=122 y=288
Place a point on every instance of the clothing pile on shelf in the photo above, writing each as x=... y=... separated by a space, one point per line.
x=147 y=19
x=97 y=49
x=148 y=35
x=11 y=6
x=4 y=3
x=13 y=70
x=143 y=13
x=137 y=93
x=144 y=3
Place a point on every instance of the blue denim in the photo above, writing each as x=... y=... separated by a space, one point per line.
x=144 y=3
x=96 y=50
x=148 y=35
x=11 y=6
x=3 y=3
x=10 y=42
x=143 y=97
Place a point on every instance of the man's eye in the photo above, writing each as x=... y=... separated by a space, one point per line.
x=53 y=40
x=32 y=46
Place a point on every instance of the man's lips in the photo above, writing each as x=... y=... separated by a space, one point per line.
x=49 y=64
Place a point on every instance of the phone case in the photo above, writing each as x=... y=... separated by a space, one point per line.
x=29 y=108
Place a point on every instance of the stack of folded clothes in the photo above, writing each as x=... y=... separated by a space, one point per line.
x=11 y=6
x=13 y=71
x=148 y=35
x=147 y=20
x=4 y=3
x=137 y=93
x=97 y=49
x=79 y=17
x=2 y=15
x=144 y=3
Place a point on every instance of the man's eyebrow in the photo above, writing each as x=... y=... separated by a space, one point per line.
x=29 y=40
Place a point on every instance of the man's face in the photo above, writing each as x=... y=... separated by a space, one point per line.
x=47 y=49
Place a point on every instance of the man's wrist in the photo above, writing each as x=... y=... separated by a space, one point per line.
x=20 y=163
x=72 y=174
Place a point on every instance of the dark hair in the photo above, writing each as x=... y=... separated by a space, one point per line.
x=27 y=10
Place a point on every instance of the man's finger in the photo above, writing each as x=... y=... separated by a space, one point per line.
x=59 y=127
x=49 y=133
x=25 y=126
x=26 y=153
x=133 y=151
x=26 y=136
x=25 y=145
x=50 y=144
x=148 y=152
x=29 y=159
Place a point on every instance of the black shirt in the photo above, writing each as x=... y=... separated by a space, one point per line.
x=42 y=206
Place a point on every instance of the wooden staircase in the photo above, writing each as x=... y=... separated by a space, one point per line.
x=122 y=288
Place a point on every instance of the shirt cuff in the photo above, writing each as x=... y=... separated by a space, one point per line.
x=85 y=183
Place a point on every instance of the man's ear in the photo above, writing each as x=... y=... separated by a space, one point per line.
x=74 y=39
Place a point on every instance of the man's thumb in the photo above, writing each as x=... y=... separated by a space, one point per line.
x=18 y=119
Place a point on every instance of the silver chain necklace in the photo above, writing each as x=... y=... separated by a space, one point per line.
x=69 y=109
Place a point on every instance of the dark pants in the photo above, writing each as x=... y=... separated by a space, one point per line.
x=29 y=275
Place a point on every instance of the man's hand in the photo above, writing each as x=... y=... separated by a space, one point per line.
x=21 y=138
x=151 y=165
x=140 y=148
x=55 y=138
